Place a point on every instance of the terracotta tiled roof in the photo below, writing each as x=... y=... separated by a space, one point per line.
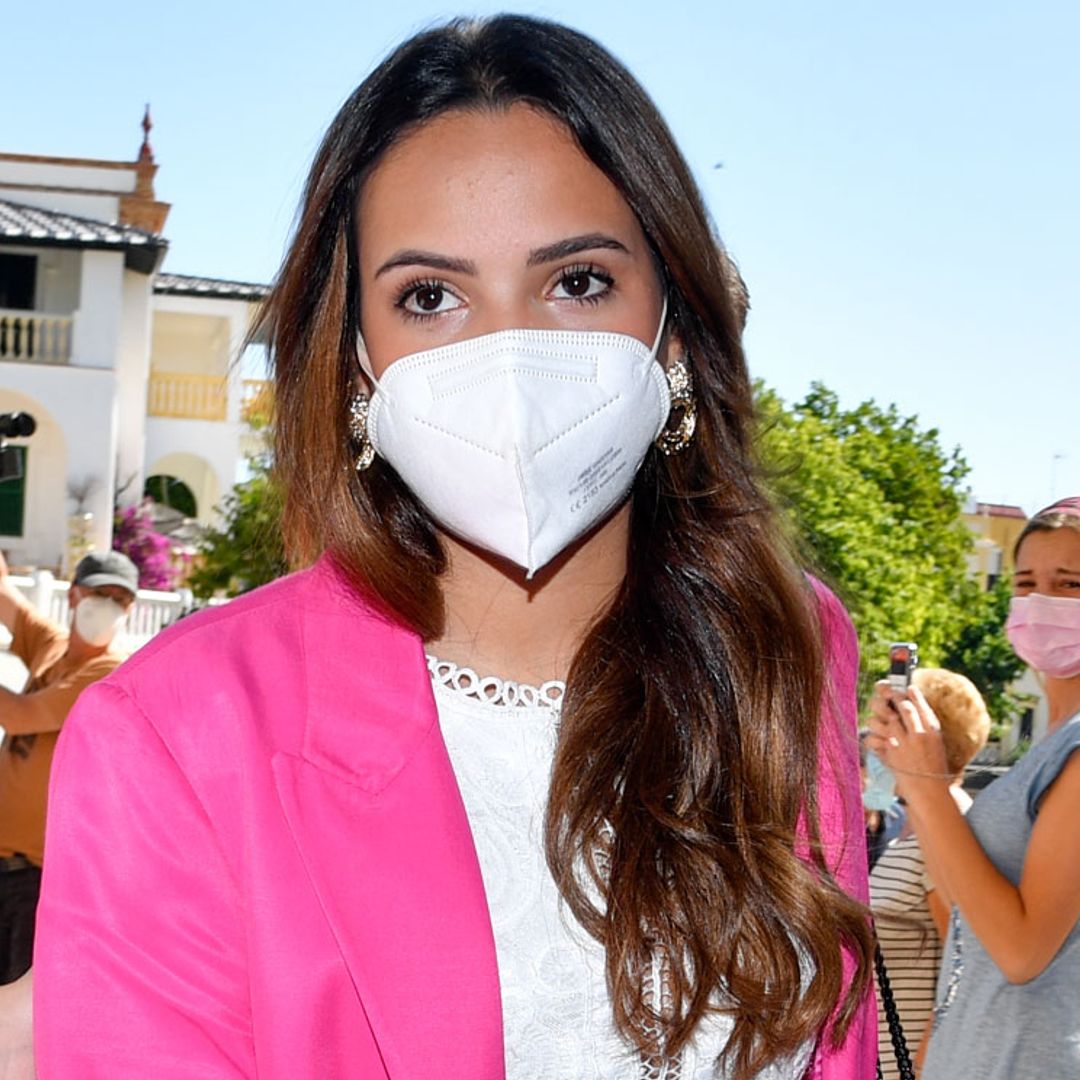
x=33 y=226
x=1000 y=510
x=186 y=285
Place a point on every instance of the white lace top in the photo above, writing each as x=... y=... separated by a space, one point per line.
x=556 y=1011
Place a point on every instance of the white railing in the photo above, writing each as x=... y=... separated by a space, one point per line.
x=152 y=611
x=35 y=337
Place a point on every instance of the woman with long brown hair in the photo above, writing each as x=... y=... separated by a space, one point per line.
x=609 y=826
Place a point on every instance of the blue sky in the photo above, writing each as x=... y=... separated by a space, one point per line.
x=899 y=183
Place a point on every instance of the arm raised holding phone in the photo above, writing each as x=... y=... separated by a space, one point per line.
x=1011 y=867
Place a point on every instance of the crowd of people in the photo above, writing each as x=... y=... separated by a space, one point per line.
x=546 y=764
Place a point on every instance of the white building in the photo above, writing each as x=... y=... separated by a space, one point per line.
x=130 y=373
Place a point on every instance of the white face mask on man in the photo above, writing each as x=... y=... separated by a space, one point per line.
x=520 y=441
x=98 y=619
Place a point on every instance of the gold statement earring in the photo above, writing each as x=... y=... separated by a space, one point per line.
x=358 y=410
x=673 y=440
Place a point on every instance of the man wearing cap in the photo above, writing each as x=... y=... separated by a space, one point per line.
x=61 y=665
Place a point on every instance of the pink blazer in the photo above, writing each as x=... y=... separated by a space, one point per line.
x=258 y=863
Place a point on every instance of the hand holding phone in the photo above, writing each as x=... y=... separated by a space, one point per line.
x=881 y=786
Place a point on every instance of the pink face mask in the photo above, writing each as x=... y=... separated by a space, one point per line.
x=1045 y=631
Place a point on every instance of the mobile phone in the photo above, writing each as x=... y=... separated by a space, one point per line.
x=903 y=660
x=880 y=789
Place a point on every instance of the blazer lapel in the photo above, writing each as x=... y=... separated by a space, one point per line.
x=375 y=810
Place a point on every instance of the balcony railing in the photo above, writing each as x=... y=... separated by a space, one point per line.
x=187 y=397
x=35 y=337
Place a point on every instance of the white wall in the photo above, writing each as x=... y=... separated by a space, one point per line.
x=85 y=174
x=240 y=314
x=190 y=344
x=216 y=443
x=201 y=335
x=75 y=440
x=132 y=374
x=95 y=199
x=100 y=313
x=58 y=279
x=214 y=341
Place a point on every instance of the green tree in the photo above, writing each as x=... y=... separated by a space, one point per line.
x=875 y=505
x=982 y=652
x=247 y=549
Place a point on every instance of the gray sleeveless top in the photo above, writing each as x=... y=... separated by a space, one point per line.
x=984 y=1027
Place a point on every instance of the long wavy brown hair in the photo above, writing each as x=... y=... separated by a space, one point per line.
x=688 y=749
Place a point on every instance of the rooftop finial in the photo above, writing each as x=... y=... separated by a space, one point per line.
x=146 y=150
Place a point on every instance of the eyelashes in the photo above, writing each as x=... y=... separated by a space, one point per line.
x=585 y=283
x=425 y=298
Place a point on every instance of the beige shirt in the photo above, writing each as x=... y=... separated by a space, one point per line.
x=31 y=725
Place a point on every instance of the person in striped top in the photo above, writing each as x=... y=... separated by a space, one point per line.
x=910 y=917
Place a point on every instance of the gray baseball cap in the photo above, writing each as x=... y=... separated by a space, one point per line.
x=107 y=568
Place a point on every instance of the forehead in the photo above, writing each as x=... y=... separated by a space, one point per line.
x=486 y=177
x=1049 y=549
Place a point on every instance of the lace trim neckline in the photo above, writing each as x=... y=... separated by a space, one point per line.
x=491 y=690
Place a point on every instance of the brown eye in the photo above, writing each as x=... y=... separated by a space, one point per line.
x=583 y=283
x=425 y=298
x=428 y=298
x=577 y=284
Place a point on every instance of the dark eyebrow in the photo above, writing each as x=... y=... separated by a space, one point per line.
x=1019 y=572
x=559 y=250
x=412 y=257
x=572 y=245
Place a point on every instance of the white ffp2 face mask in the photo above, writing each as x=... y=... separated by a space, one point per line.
x=521 y=440
x=98 y=619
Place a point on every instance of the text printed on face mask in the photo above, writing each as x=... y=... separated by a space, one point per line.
x=591 y=481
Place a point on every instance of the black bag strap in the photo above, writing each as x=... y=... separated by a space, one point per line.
x=892 y=1017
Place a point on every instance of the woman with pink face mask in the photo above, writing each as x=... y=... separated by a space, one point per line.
x=1006 y=1000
